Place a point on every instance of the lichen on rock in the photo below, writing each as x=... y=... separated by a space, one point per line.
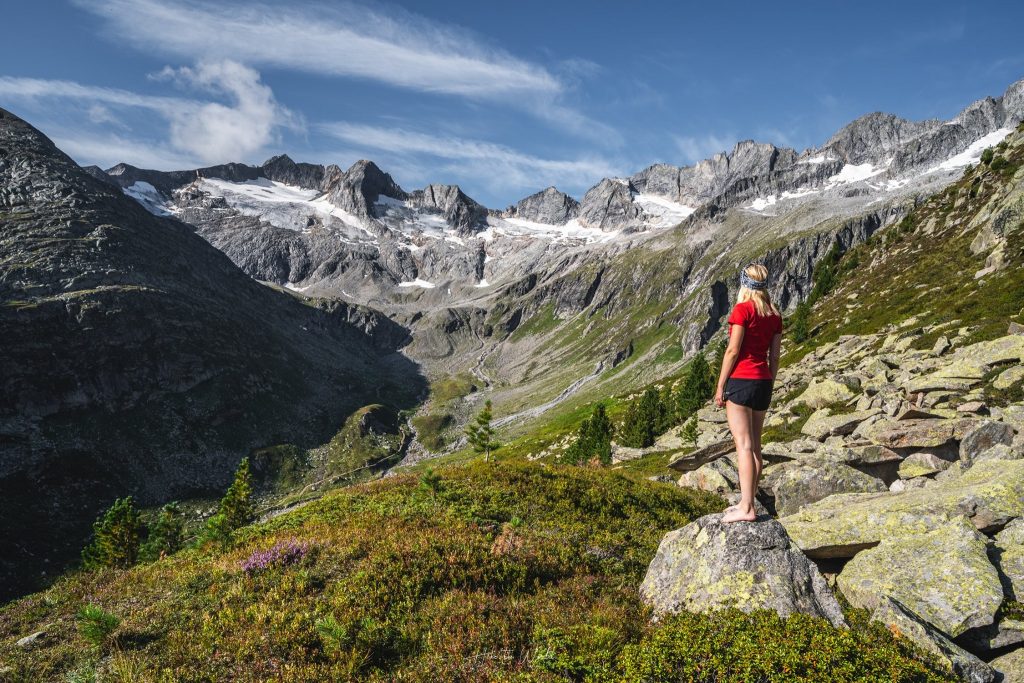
x=708 y=565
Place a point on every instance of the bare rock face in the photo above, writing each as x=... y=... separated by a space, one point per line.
x=461 y=212
x=750 y=565
x=547 y=206
x=609 y=206
x=360 y=186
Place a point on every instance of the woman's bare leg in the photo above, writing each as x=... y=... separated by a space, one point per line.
x=741 y=425
x=757 y=426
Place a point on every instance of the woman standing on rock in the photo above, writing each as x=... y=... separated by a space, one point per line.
x=745 y=383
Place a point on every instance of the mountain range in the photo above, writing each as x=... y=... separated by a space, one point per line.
x=159 y=325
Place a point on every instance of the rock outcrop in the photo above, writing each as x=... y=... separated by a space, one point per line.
x=748 y=565
x=943 y=576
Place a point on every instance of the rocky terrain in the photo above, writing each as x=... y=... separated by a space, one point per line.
x=139 y=360
x=895 y=457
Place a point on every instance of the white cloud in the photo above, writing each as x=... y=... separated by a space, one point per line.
x=215 y=132
x=694 y=149
x=500 y=168
x=208 y=130
x=344 y=39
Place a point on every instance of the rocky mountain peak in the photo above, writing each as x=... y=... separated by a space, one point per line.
x=458 y=209
x=282 y=169
x=547 y=206
x=872 y=136
x=609 y=205
x=357 y=189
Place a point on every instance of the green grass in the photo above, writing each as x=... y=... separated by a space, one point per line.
x=501 y=571
x=430 y=429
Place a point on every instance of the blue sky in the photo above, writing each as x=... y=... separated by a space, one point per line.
x=501 y=98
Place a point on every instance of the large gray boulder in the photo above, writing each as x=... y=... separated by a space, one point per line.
x=944 y=576
x=717 y=476
x=802 y=485
x=1011 y=666
x=820 y=393
x=1008 y=555
x=902 y=620
x=990 y=494
x=708 y=565
x=983 y=437
x=822 y=423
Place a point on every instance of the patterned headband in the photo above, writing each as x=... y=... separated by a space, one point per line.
x=751 y=283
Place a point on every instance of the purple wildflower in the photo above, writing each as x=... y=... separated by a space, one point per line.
x=282 y=554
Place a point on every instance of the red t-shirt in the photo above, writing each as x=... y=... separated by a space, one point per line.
x=757 y=340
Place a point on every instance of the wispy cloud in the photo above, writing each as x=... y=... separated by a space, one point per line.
x=345 y=39
x=503 y=169
x=107 y=149
x=208 y=130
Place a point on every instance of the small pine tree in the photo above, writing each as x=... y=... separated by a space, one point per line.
x=237 y=505
x=638 y=427
x=166 y=535
x=480 y=433
x=799 y=324
x=987 y=155
x=96 y=624
x=716 y=367
x=115 y=540
x=594 y=439
x=689 y=432
x=697 y=388
x=665 y=415
x=236 y=509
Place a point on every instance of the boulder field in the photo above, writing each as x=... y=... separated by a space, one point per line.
x=901 y=473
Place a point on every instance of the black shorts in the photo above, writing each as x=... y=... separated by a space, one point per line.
x=752 y=393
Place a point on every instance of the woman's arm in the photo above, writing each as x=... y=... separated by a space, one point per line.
x=773 y=355
x=732 y=354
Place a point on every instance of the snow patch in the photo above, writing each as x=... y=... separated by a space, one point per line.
x=149 y=197
x=853 y=173
x=666 y=211
x=417 y=283
x=483 y=283
x=294 y=288
x=972 y=153
x=762 y=203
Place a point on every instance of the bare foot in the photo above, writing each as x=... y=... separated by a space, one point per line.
x=736 y=514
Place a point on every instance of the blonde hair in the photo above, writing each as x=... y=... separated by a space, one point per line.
x=762 y=300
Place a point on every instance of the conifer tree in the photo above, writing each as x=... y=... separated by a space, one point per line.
x=638 y=428
x=594 y=439
x=166 y=534
x=480 y=433
x=237 y=505
x=115 y=541
x=697 y=388
x=798 y=322
x=689 y=431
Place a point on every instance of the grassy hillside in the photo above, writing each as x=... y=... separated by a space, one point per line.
x=481 y=572
x=925 y=269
